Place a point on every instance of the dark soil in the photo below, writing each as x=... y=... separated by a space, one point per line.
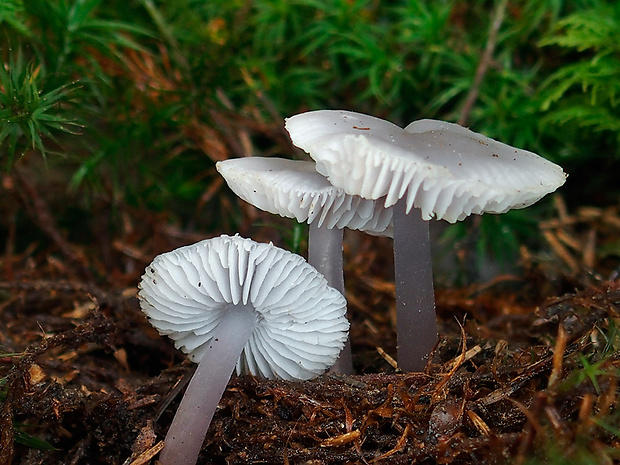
x=526 y=371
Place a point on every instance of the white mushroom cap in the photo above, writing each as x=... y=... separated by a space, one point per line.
x=301 y=324
x=294 y=189
x=445 y=170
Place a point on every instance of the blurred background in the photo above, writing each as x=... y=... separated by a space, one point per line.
x=113 y=114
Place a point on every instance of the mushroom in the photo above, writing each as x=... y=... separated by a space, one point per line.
x=229 y=303
x=294 y=189
x=443 y=170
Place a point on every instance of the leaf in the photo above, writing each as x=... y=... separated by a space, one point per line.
x=33 y=442
x=28 y=112
x=12 y=13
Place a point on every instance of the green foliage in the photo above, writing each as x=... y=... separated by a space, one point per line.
x=594 y=371
x=580 y=455
x=66 y=30
x=612 y=339
x=486 y=245
x=59 y=43
x=11 y=13
x=28 y=440
x=583 y=94
x=26 y=112
x=162 y=88
x=597 y=364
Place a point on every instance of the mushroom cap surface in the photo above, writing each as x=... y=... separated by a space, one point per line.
x=445 y=170
x=301 y=325
x=294 y=189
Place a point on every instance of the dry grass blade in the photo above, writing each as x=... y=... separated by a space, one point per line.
x=585 y=239
x=343 y=439
x=558 y=357
x=458 y=361
x=388 y=358
x=147 y=455
x=454 y=366
x=561 y=251
x=479 y=423
x=517 y=382
x=400 y=445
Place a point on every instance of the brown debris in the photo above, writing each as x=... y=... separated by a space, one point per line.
x=525 y=362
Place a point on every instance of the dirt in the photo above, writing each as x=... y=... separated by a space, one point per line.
x=526 y=369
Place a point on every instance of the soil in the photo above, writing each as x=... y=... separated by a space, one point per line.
x=526 y=371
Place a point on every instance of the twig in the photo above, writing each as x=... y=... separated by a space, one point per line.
x=561 y=252
x=530 y=372
x=484 y=63
x=558 y=357
x=175 y=391
x=400 y=445
x=387 y=357
x=147 y=455
x=40 y=212
x=455 y=364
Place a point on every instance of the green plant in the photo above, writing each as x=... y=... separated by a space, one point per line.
x=591 y=373
x=56 y=74
x=11 y=13
x=66 y=32
x=584 y=92
x=28 y=112
x=162 y=90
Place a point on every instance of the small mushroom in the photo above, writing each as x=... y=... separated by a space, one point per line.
x=294 y=189
x=231 y=302
x=429 y=169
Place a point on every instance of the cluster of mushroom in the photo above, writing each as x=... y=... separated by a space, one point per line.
x=230 y=302
x=376 y=177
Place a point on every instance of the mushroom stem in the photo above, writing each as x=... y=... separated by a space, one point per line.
x=325 y=254
x=191 y=421
x=415 y=297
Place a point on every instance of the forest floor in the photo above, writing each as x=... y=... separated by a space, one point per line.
x=526 y=370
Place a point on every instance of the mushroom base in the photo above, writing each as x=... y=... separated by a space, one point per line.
x=192 y=419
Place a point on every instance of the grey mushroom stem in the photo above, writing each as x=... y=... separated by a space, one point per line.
x=325 y=254
x=415 y=296
x=191 y=421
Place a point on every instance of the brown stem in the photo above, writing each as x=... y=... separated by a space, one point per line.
x=41 y=214
x=484 y=63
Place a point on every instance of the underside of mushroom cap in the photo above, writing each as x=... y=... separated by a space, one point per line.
x=294 y=189
x=445 y=170
x=301 y=325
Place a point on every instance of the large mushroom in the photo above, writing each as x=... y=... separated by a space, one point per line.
x=294 y=189
x=231 y=302
x=429 y=169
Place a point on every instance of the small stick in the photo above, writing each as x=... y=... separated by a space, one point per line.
x=387 y=357
x=484 y=63
x=147 y=455
x=40 y=212
x=558 y=357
